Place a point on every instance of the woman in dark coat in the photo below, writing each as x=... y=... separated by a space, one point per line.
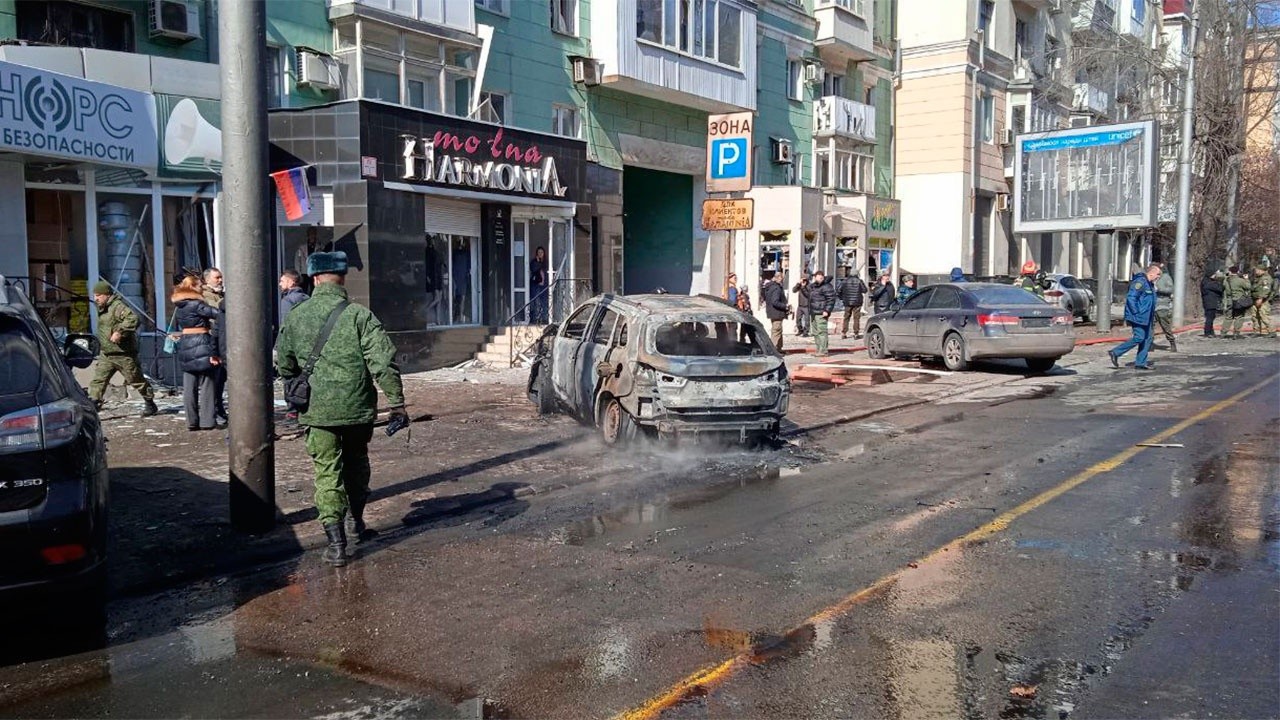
x=198 y=352
x=1211 y=289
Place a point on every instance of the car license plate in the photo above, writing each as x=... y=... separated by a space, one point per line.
x=1036 y=322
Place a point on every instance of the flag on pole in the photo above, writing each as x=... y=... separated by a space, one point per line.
x=293 y=190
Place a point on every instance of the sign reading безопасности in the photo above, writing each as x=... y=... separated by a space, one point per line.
x=45 y=113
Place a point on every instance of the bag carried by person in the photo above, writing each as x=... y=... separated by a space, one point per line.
x=297 y=389
x=743 y=300
x=1241 y=304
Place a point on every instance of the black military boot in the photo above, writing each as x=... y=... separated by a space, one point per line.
x=336 y=553
x=1173 y=345
x=149 y=407
x=356 y=528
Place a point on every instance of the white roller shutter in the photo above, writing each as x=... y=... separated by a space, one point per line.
x=451 y=217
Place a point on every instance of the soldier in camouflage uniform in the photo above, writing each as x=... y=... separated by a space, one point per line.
x=118 y=337
x=1237 y=288
x=344 y=401
x=1262 y=296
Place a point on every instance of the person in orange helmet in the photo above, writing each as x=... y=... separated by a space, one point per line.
x=1031 y=279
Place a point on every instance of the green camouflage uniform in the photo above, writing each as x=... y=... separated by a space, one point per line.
x=1237 y=286
x=1261 y=288
x=121 y=357
x=344 y=401
x=1164 y=308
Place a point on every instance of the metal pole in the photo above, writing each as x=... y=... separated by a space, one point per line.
x=1105 y=245
x=245 y=206
x=1184 y=174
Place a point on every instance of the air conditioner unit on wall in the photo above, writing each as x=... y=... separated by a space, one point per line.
x=782 y=153
x=1004 y=202
x=1009 y=134
x=814 y=73
x=317 y=70
x=586 y=71
x=175 y=19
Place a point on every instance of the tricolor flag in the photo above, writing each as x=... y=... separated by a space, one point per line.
x=294 y=193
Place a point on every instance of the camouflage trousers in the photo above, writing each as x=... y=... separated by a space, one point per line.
x=340 y=457
x=127 y=365
x=1262 y=318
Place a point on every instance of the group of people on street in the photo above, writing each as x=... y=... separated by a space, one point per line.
x=1236 y=297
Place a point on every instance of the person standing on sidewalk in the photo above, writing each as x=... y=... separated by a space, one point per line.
x=775 y=306
x=822 y=302
x=1164 y=307
x=803 y=292
x=882 y=297
x=215 y=296
x=199 y=354
x=118 y=340
x=291 y=293
x=852 y=291
x=1237 y=301
x=356 y=356
x=1211 y=299
x=1263 y=293
x=1139 y=312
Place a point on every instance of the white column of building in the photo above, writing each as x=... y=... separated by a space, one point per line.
x=91 y=235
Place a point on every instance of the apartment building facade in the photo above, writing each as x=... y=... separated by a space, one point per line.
x=977 y=74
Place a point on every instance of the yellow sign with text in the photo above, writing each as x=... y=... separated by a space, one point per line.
x=728 y=214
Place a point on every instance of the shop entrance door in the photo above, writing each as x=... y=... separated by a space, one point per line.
x=536 y=297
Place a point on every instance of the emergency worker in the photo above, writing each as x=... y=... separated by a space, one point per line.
x=339 y=418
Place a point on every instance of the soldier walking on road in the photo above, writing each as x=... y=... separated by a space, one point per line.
x=1164 y=307
x=1139 y=312
x=344 y=402
x=775 y=306
x=1236 y=302
x=118 y=338
x=1263 y=288
x=822 y=301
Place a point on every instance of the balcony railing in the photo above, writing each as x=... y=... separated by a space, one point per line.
x=1091 y=99
x=844 y=29
x=843 y=117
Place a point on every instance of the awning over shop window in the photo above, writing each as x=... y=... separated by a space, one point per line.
x=844 y=221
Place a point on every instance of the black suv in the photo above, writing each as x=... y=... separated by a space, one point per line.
x=53 y=469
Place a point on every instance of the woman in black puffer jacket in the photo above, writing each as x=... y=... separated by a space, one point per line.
x=198 y=353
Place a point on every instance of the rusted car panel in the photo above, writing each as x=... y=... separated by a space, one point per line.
x=662 y=364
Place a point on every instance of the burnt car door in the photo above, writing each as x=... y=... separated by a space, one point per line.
x=593 y=361
x=565 y=351
x=945 y=312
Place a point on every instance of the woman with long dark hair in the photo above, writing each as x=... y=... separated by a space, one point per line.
x=198 y=353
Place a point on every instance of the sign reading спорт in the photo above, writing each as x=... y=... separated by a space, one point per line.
x=45 y=113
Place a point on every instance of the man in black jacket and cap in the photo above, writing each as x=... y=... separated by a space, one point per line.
x=775 y=306
x=852 y=290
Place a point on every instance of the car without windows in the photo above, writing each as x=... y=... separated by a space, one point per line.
x=1071 y=294
x=960 y=323
x=663 y=365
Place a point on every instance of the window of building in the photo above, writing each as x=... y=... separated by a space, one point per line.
x=869 y=95
x=496 y=104
x=857 y=7
x=709 y=29
x=405 y=67
x=795 y=79
x=494 y=6
x=74 y=24
x=986 y=11
x=564 y=121
x=422 y=86
x=1018 y=122
x=987 y=118
x=457 y=94
x=381 y=79
x=277 y=67
x=1052 y=53
x=847 y=170
x=833 y=85
x=564 y=16
x=1022 y=49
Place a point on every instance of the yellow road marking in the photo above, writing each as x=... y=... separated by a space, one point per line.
x=708 y=678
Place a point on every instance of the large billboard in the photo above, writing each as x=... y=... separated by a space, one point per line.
x=1098 y=177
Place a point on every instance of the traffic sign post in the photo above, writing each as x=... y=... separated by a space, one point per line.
x=729 y=152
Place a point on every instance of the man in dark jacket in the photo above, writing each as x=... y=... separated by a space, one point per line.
x=118 y=338
x=775 y=306
x=1211 y=289
x=882 y=296
x=802 y=290
x=291 y=294
x=344 y=400
x=822 y=302
x=1139 y=312
x=852 y=290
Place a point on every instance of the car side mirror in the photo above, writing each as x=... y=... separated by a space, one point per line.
x=78 y=351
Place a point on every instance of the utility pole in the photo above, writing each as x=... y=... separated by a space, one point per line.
x=245 y=205
x=1106 y=240
x=1184 y=174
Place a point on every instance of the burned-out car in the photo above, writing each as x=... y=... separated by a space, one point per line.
x=662 y=365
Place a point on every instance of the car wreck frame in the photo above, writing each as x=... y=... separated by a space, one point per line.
x=662 y=365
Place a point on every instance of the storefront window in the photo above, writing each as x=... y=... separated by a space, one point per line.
x=125 y=250
x=57 y=258
x=54 y=174
x=775 y=252
x=452 y=279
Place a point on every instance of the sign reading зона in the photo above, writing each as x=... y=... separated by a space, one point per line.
x=44 y=113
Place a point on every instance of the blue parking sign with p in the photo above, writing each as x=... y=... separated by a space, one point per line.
x=729 y=158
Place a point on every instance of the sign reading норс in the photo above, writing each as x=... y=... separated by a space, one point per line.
x=728 y=214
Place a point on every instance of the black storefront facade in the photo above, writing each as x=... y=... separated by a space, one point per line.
x=439 y=217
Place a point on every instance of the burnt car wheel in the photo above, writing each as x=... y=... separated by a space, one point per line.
x=542 y=387
x=875 y=344
x=953 y=356
x=1040 y=365
x=616 y=424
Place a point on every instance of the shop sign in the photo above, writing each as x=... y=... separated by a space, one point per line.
x=45 y=113
x=729 y=152
x=191 y=140
x=468 y=160
x=728 y=214
x=883 y=218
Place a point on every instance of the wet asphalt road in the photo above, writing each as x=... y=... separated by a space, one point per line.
x=1150 y=589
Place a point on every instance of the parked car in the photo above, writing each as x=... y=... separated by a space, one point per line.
x=969 y=321
x=53 y=470
x=1072 y=295
x=662 y=365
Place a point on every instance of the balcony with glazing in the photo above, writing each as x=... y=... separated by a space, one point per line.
x=1091 y=99
x=845 y=29
x=1094 y=16
x=1053 y=5
x=455 y=15
x=844 y=118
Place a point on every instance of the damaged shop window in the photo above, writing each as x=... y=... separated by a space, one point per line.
x=707 y=339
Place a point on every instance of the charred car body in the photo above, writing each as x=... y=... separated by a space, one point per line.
x=662 y=365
